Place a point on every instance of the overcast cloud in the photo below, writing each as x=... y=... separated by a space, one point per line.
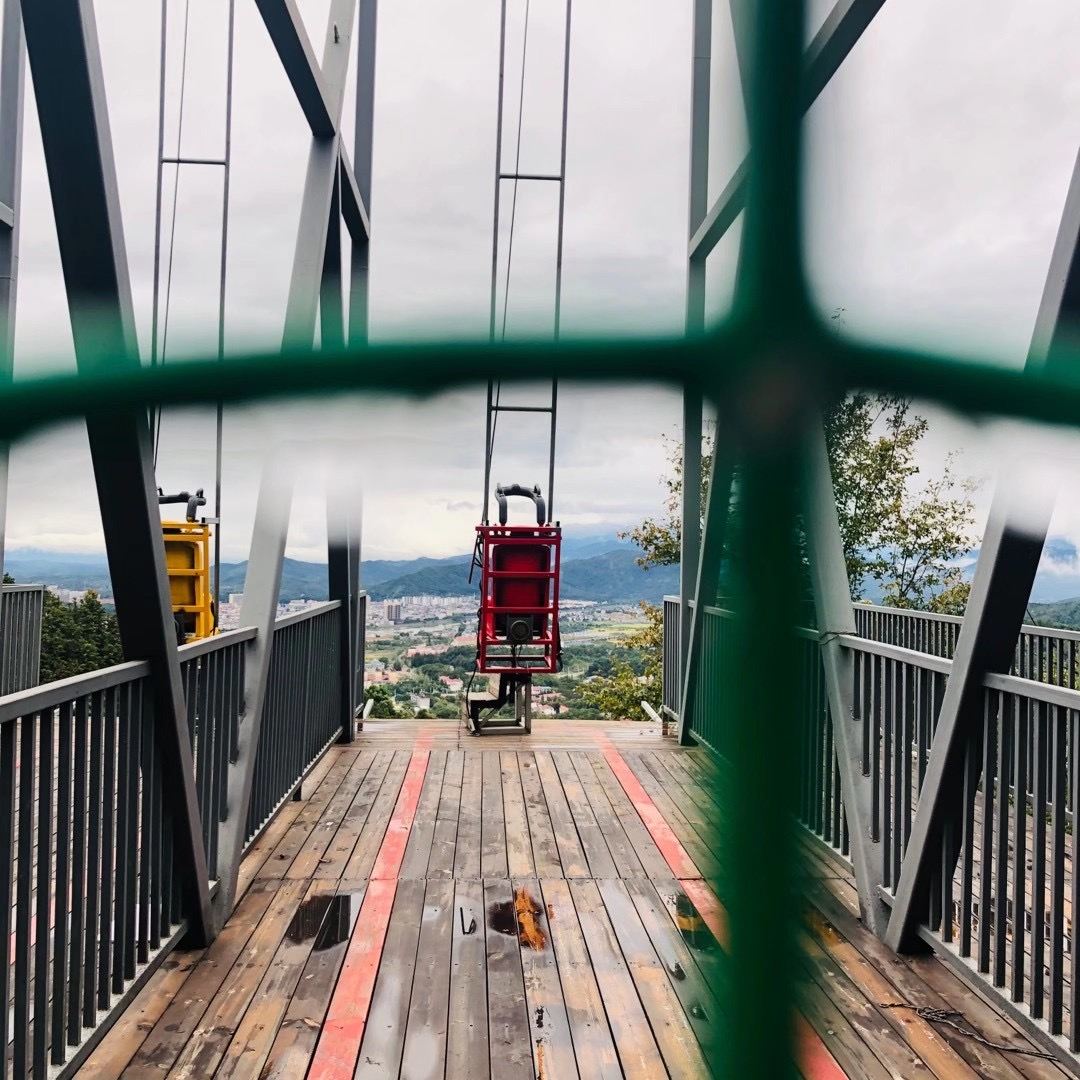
x=939 y=161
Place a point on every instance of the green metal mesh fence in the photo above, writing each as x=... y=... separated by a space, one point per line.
x=769 y=369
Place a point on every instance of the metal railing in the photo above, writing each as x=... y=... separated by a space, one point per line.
x=20 y=636
x=671 y=687
x=212 y=673
x=1043 y=653
x=86 y=837
x=1002 y=900
x=301 y=718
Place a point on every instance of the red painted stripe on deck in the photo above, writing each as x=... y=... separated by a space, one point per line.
x=675 y=855
x=392 y=850
x=709 y=908
x=814 y=1059
x=343 y=1029
x=812 y=1055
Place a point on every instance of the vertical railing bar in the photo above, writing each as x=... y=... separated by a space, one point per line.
x=968 y=850
x=1073 y=720
x=63 y=882
x=1019 y=847
x=1003 y=725
x=146 y=829
x=24 y=895
x=1057 y=872
x=42 y=982
x=986 y=838
x=95 y=825
x=1038 y=864
x=8 y=851
x=108 y=937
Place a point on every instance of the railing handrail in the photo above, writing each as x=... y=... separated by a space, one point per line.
x=307 y=613
x=927 y=661
x=50 y=695
x=22 y=587
x=933 y=616
x=956 y=620
x=1049 y=693
x=216 y=641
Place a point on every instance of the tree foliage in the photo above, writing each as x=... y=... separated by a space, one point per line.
x=905 y=536
x=660 y=539
x=384 y=707
x=618 y=695
x=77 y=637
x=902 y=536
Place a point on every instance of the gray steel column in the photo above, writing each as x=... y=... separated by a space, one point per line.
x=331 y=314
x=690 y=528
x=65 y=64
x=11 y=109
x=343 y=531
x=700 y=78
x=690 y=522
x=706 y=584
x=835 y=615
x=363 y=144
x=838 y=35
x=1008 y=560
x=324 y=163
x=262 y=584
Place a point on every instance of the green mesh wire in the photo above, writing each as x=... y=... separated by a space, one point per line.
x=769 y=369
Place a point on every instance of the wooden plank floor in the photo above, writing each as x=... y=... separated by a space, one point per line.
x=443 y=906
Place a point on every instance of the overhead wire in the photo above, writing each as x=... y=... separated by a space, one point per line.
x=517 y=169
x=172 y=224
x=513 y=222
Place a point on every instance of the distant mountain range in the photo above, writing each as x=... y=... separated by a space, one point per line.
x=1059 y=613
x=600 y=568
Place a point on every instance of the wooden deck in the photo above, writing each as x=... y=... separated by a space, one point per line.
x=443 y=906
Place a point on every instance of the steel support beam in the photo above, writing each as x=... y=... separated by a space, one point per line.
x=701 y=74
x=690 y=554
x=367 y=25
x=1008 y=561
x=321 y=181
x=835 y=616
x=706 y=584
x=65 y=63
x=309 y=82
x=831 y=45
x=690 y=529
x=12 y=82
x=343 y=532
x=353 y=205
x=262 y=583
x=331 y=313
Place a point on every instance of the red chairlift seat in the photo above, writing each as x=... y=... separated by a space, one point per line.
x=518 y=631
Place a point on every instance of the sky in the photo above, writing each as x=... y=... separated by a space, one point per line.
x=938 y=162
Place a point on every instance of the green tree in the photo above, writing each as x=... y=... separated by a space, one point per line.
x=77 y=637
x=618 y=695
x=905 y=536
x=902 y=535
x=384 y=707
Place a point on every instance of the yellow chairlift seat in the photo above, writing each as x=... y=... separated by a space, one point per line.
x=187 y=561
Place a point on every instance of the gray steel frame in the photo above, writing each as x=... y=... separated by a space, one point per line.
x=262 y=584
x=1008 y=560
x=831 y=45
x=1009 y=555
x=12 y=82
x=61 y=44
